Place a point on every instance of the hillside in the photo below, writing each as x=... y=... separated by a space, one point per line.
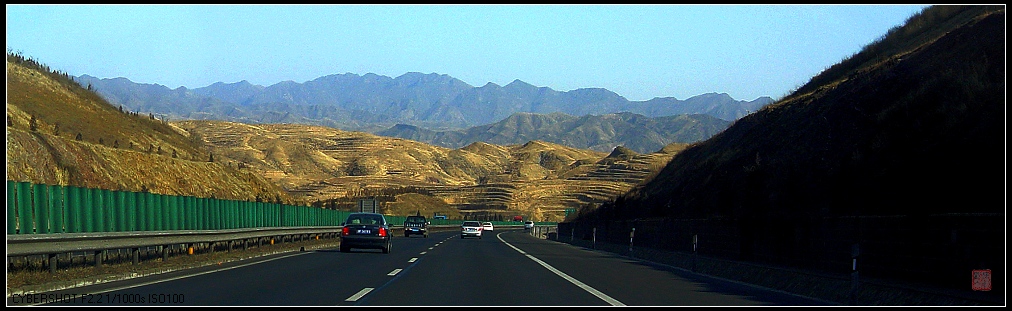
x=61 y=133
x=328 y=166
x=595 y=132
x=898 y=149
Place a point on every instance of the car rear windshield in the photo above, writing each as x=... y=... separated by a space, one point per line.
x=364 y=220
x=471 y=224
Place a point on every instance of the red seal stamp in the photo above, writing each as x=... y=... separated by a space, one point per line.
x=981 y=280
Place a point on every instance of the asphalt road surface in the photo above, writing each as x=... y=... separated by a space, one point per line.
x=504 y=268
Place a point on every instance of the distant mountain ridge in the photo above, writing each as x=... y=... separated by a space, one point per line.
x=596 y=132
x=374 y=102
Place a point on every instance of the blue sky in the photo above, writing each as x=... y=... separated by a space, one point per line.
x=639 y=52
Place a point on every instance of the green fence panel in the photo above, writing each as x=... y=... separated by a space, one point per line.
x=233 y=214
x=87 y=210
x=119 y=208
x=26 y=217
x=108 y=211
x=181 y=212
x=230 y=214
x=58 y=216
x=220 y=219
x=155 y=212
x=242 y=214
x=223 y=214
x=166 y=212
x=200 y=208
x=215 y=213
x=251 y=214
x=143 y=209
x=12 y=207
x=129 y=211
x=256 y=215
x=41 y=206
x=188 y=213
x=72 y=207
x=208 y=214
x=176 y=222
x=227 y=213
x=246 y=220
x=99 y=198
x=266 y=214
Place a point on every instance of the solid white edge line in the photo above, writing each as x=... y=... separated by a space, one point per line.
x=359 y=294
x=565 y=276
x=186 y=276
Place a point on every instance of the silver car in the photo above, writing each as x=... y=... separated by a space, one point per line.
x=470 y=229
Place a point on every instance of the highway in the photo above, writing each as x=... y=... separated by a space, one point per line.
x=504 y=268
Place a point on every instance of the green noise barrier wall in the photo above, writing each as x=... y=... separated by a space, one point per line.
x=47 y=209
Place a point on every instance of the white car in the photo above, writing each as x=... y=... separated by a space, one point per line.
x=528 y=225
x=470 y=229
x=487 y=226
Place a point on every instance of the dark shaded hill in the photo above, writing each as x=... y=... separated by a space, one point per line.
x=596 y=132
x=899 y=149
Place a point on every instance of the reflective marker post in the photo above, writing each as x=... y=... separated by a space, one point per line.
x=632 y=233
x=695 y=247
x=855 y=251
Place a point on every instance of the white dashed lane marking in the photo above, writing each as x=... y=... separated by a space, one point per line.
x=359 y=294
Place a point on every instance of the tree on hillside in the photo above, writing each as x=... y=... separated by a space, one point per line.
x=78 y=137
x=32 y=124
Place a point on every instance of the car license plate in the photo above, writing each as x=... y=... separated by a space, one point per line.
x=414 y=229
x=364 y=231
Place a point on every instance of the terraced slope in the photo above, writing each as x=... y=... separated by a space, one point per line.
x=538 y=179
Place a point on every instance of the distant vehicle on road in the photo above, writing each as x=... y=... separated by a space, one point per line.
x=416 y=225
x=487 y=226
x=528 y=225
x=470 y=229
x=366 y=230
x=518 y=218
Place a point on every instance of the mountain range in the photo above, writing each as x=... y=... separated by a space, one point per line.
x=374 y=103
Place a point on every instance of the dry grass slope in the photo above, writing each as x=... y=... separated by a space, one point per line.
x=321 y=164
x=60 y=133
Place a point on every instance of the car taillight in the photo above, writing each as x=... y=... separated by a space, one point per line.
x=383 y=231
x=344 y=231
